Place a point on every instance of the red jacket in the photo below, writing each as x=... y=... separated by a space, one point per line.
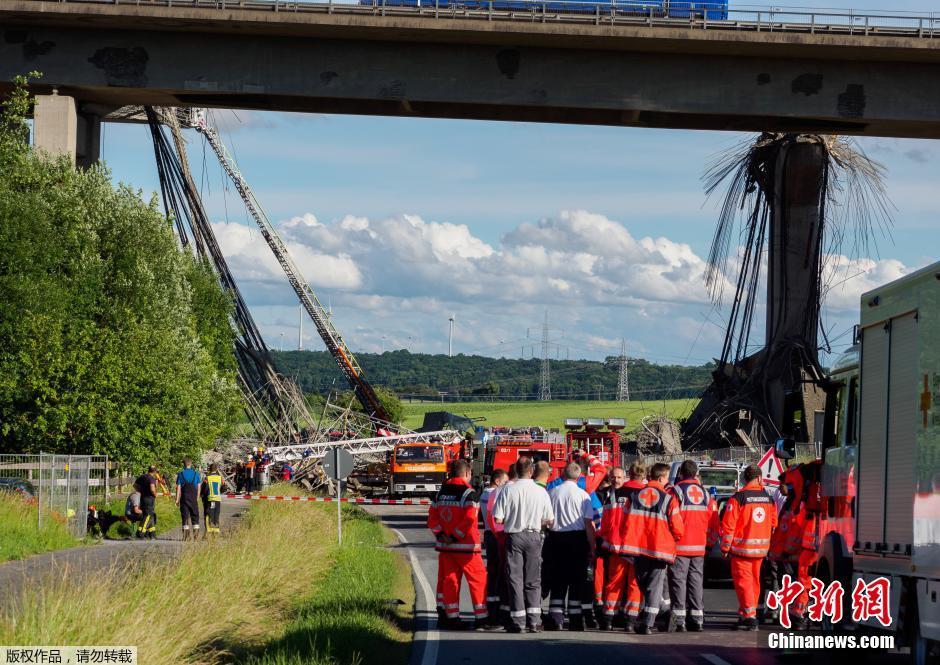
x=748 y=522
x=454 y=516
x=612 y=517
x=652 y=523
x=699 y=516
x=595 y=474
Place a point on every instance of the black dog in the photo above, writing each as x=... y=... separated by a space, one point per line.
x=99 y=521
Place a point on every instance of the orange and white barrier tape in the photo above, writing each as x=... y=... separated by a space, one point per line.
x=332 y=499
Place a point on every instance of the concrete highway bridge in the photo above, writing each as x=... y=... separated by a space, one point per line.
x=865 y=74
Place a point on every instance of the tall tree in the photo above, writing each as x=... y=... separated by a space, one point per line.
x=112 y=340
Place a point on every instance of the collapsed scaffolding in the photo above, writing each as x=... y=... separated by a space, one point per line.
x=279 y=414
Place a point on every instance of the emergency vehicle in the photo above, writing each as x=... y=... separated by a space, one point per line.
x=597 y=436
x=879 y=495
x=722 y=479
x=420 y=468
x=502 y=451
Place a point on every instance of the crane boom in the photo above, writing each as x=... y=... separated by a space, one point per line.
x=341 y=353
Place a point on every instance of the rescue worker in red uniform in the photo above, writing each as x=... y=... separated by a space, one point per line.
x=651 y=527
x=453 y=518
x=621 y=593
x=808 y=550
x=687 y=574
x=781 y=557
x=748 y=522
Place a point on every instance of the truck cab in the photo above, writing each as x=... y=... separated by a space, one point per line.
x=418 y=469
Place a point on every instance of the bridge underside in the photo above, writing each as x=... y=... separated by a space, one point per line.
x=104 y=68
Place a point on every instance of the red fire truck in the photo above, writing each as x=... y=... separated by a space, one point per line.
x=502 y=451
x=597 y=437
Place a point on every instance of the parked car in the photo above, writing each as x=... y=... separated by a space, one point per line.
x=19 y=486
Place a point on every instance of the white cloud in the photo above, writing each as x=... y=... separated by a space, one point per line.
x=845 y=279
x=394 y=281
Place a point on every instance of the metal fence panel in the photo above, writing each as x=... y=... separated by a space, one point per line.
x=64 y=484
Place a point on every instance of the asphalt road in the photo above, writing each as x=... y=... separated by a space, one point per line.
x=717 y=645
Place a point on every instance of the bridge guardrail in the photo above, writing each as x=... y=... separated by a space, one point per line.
x=748 y=18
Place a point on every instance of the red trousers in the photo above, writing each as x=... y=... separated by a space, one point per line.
x=621 y=591
x=440 y=588
x=745 y=573
x=806 y=560
x=452 y=568
x=599 y=579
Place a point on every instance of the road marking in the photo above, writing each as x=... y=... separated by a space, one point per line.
x=429 y=656
x=715 y=660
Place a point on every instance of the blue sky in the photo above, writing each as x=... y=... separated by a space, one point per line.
x=401 y=222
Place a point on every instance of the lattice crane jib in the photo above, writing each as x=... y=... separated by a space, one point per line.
x=334 y=342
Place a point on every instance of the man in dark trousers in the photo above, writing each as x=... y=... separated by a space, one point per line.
x=652 y=524
x=686 y=575
x=572 y=547
x=494 y=545
x=147 y=486
x=187 y=498
x=524 y=509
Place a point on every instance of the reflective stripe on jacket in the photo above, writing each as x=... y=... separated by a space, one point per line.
x=748 y=522
x=699 y=515
x=455 y=513
x=652 y=523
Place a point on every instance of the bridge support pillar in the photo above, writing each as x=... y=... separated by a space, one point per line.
x=59 y=128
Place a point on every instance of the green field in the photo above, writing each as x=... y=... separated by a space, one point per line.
x=550 y=414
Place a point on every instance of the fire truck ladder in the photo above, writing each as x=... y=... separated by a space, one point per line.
x=378 y=444
x=347 y=362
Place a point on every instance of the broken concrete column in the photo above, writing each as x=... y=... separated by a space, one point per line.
x=60 y=129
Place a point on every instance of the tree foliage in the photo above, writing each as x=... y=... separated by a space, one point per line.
x=112 y=339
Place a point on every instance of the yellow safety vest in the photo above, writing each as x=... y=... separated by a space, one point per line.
x=215 y=487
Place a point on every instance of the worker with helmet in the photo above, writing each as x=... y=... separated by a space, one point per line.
x=747 y=525
x=686 y=575
x=651 y=527
x=453 y=519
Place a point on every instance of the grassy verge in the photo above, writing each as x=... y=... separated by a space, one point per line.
x=359 y=610
x=20 y=536
x=552 y=413
x=276 y=590
x=168 y=517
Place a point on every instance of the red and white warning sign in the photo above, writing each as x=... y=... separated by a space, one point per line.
x=771 y=468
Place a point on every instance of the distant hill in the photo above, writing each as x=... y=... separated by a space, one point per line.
x=471 y=378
